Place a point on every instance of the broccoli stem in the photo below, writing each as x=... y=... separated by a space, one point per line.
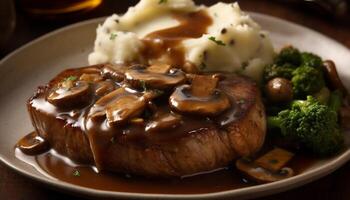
x=273 y=122
x=335 y=100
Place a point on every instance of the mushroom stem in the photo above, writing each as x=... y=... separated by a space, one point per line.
x=203 y=86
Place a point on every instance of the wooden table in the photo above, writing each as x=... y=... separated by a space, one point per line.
x=333 y=186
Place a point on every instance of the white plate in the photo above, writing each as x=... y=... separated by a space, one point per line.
x=37 y=62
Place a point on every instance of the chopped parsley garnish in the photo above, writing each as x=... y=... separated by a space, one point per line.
x=71 y=78
x=162 y=1
x=113 y=36
x=76 y=173
x=218 y=42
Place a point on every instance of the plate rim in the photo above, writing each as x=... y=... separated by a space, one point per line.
x=259 y=190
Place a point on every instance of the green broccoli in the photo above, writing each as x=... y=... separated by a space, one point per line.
x=289 y=55
x=304 y=70
x=273 y=71
x=307 y=80
x=312 y=124
x=311 y=60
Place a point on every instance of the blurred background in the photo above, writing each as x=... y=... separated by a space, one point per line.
x=24 y=20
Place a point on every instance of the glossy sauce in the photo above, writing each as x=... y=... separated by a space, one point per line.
x=166 y=42
x=61 y=168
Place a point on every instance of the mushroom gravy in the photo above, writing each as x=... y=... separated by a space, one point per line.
x=166 y=42
x=58 y=167
x=145 y=118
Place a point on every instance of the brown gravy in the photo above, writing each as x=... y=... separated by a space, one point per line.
x=216 y=181
x=166 y=42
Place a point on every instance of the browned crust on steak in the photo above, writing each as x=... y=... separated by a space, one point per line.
x=204 y=150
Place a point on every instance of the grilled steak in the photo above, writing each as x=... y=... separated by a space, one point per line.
x=147 y=121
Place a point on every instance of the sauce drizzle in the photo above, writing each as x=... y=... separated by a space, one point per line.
x=167 y=41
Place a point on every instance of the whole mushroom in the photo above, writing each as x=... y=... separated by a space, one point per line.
x=279 y=90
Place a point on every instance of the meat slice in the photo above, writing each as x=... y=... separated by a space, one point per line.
x=238 y=132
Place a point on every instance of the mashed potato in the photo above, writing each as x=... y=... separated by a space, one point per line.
x=232 y=43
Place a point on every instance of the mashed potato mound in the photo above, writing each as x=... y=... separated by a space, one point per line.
x=232 y=43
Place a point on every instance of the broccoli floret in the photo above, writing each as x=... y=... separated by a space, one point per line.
x=311 y=60
x=304 y=70
x=289 y=55
x=273 y=71
x=307 y=80
x=312 y=124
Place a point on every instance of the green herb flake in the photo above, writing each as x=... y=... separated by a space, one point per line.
x=218 y=42
x=162 y=1
x=71 y=78
x=76 y=173
x=113 y=36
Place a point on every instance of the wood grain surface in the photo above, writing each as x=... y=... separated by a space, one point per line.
x=335 y=186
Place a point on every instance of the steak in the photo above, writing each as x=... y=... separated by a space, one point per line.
x=83 y=130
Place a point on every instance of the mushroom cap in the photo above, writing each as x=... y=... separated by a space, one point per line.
x=77 y=94
x=33 y=144
x=183 y=101
x=279 y=90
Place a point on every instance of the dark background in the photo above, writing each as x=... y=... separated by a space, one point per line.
x=335 y=186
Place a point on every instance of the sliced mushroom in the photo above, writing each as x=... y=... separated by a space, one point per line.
x=91 y=78
x=333 y=77
x=154 y=77
x=275 y=159
x=119 y=106
x=104 y=87
x=163 y=121
x=268 y=168
x=260 y=174
x=279 y=90
x=33 y=144
x=95 y=69
x=70 y=93
x=114 y=72
x=201 y=97
x=125 y=107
